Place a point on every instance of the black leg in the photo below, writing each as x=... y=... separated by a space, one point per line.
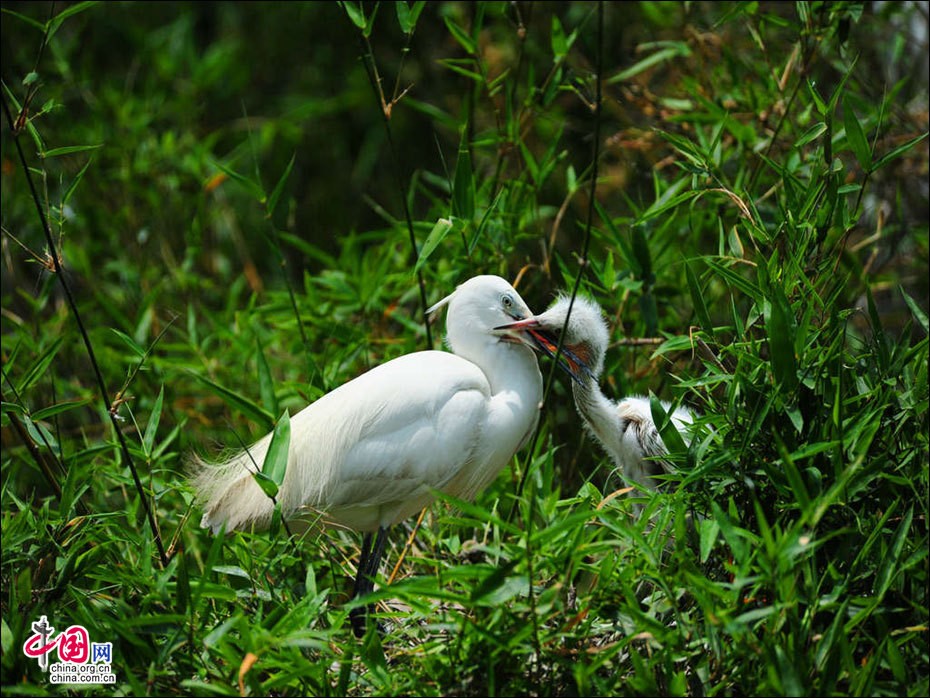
x=376 y=554
x=368 y=564
x=361 y=571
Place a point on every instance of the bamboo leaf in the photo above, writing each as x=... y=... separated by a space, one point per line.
x=183 y=585
x=818 y=100
x=735 y=537
x=265 y=381
x=355 y=13
x=69 y=150
x=918 y=314
x=666 y=426
x=811 y=134
x=669 y=200
x=436 y=236
x=897 y=152
x=855 y=136
x=129 y=341
x=28 y=20
x=39 y=366
x=279 y=187
x=252 y=187
x=642 y=255
x=247 y=407
x=277 y=519
x=779 y=323
x=407 y=16
x=463 y=183
x=793 y=475
x=710 y=529
x=70 y=11
x=267 y=485
x=151 y=427
x=276 y=459
x=454 y=66
x=558 y=40
x=39 y=433
x=74 y=182
x=891 y=563
x=736 y=280
x=650 y=311
x=58 y=408
x=671 y=50
x=460 y=35
x=838 y=90
x=498 y=578
x=697 y=298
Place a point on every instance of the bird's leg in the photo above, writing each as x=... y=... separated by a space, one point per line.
x=357 y=589
x=368 y=565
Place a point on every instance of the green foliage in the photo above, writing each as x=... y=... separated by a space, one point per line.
x=244 y=206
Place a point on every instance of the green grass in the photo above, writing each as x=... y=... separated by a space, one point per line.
x=233 y=203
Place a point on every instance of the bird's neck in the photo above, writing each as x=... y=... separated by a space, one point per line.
x=506 y=365
x=516 y=392
x=515 y=382
x=513 y=367
x=599 y=412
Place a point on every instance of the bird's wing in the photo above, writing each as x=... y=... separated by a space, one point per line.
x=642 y=439
x=376 y=447
x=367 y=454
x=637 y=412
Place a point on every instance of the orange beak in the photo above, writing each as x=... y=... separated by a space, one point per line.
x=570 y=359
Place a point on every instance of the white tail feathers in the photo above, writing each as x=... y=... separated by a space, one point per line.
x=321 y=435
x=229 y=493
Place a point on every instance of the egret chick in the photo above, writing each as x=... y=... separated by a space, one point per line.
x=625 y=429
x=375 y=450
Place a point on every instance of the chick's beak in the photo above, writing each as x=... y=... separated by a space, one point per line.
x=532 y=333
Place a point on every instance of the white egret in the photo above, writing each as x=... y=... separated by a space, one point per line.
x=625 y=429
x=375 y=450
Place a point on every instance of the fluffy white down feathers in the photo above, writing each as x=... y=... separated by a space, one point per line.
x=625 y=429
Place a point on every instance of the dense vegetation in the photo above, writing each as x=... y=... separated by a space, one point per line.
x=209 y=213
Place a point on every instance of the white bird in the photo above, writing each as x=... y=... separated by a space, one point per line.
x=375 y=450
x=625 y=429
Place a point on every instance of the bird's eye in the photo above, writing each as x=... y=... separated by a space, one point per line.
x=507 y=301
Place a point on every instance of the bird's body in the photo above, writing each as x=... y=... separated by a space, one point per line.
x=625 y=429
x=375 y=450
x=371 y=452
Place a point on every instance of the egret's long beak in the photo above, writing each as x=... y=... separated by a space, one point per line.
x=569 y=358
x=514 y=331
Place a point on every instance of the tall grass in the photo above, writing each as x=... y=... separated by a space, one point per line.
x=248 y=209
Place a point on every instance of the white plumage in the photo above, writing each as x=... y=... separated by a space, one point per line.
x=374 y=451
x=625 y=429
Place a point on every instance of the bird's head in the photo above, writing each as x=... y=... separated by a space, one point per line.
x=586 y=335
x=478 y=312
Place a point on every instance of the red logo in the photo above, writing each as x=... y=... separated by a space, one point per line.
x=73 y=644
x=79 y=659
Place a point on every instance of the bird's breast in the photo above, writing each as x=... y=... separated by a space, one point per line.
x=512 y=414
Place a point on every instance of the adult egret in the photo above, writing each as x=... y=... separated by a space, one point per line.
x=375 y=450
x=625 y=429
